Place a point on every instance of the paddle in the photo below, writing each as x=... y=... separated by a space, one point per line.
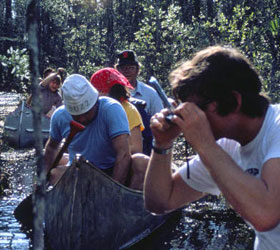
x=24 y=211
x=75 y=127
x=155 y=84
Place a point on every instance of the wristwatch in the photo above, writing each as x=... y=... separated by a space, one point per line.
x=161 y=151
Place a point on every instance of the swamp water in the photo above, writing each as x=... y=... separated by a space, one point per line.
x=206 y=224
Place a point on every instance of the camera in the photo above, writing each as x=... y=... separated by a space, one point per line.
x=169 y=117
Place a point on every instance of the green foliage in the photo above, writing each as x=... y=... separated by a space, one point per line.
x=161 y=51
x=15 y=66
x=83 y=36
x=275 y=26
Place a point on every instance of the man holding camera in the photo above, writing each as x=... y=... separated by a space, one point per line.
x=236 y=134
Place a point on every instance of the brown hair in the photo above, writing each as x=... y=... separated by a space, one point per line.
x=214 y=74
x=119 y=92
x=47 y=71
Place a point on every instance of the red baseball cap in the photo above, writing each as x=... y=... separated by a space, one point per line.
x=104 y=79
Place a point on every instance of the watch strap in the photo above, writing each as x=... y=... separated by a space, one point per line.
x=161 y=151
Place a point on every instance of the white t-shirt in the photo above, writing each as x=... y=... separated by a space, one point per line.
x=250 y=158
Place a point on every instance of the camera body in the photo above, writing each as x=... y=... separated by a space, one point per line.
x=169 y=117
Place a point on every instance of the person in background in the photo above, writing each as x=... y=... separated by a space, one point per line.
x=49 y=89
x=47 y=72
x=51 y=98
x=129 y=66
x=236 y=134
x=112 y=83
x=104 y=141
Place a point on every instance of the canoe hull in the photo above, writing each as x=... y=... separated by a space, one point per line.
x=18 y=128
x=88 y=210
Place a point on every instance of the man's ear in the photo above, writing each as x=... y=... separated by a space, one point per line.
x=213 y=107
x=236 y=103
x=238 y=98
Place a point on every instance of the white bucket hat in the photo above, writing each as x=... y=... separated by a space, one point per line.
x=78 y=94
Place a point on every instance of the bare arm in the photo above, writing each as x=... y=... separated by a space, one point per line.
x=45 y=82
x=51 y=150
x=162 y=190
x=135 y=140
x=123 y=158
x=257 y=200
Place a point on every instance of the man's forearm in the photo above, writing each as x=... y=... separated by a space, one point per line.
x=50 y=154
x=121 y=167
x=158 y=183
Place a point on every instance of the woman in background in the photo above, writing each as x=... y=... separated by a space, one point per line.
x=112 y=83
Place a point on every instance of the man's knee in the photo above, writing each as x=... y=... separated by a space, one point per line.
x=64 y=159
x=56 y=173
x=139 y=163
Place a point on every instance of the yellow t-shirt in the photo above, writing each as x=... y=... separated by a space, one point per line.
x=133 y=116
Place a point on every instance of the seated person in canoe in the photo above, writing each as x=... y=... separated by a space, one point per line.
x=105 y=139
x=110 y=82
x=129 y=65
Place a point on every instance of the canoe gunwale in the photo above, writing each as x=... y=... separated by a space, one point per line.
x=80 y=160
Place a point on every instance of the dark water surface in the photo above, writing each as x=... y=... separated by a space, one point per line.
x=206 y=224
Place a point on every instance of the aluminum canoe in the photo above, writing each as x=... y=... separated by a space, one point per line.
x=19 y=130
x=87 y=209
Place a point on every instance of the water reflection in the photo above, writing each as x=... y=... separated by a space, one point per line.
x=17 y=167
x=204 y=225
x=11 y=235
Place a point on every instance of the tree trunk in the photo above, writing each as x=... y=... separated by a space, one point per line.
x=158 y=24
x=7 y=29
x=8 y=14
x=39 y=194
x=110 y=37
x=196 y=4
x=210 y=10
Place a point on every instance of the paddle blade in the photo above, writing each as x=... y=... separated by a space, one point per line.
x=24 y=212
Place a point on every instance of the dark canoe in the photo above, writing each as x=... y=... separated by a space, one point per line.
x=87 y=209
x=18 y=128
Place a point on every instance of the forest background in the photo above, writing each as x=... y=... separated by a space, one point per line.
x=85 y=35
